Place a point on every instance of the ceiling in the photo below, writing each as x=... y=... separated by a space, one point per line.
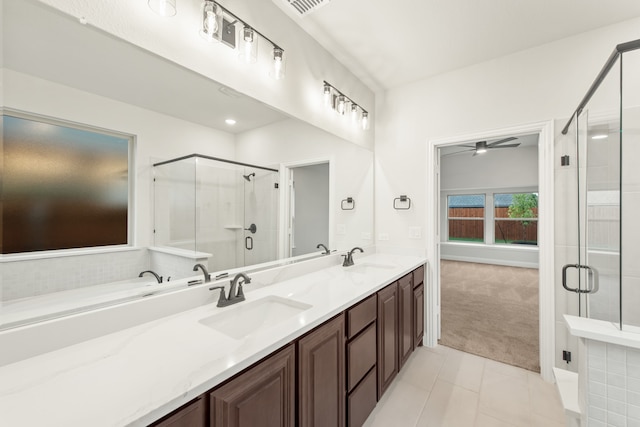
x=390 y=43
x=44 y=43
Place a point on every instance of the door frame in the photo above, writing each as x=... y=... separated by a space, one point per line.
x=545 y=131
x=284 y=235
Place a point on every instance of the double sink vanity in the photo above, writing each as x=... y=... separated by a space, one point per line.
x=313 y=344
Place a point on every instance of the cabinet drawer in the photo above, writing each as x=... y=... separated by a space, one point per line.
x=360 y=316
x=361 y=356
x=362 y=400
x=418 y=276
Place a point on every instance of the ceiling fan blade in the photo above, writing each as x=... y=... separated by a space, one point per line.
x=468 y=146
x=502 y=141
x=456 y=152
x=503 y=146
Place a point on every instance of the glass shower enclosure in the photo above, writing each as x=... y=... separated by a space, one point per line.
x=221 y=210
x=606 y=128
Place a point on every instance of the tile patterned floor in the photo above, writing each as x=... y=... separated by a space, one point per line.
x=443 y=387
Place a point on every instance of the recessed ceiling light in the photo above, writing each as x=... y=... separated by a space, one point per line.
x=230 y=122
x=600 y=136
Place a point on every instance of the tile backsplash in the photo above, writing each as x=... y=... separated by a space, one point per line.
x=27 y=278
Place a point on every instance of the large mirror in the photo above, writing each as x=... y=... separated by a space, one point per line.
x=298 y=184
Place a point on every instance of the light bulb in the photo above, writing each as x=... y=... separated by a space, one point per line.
x=327 y=95
x=249 y=49
x=354 y=112
x=278 y=63
x=341 y=104
x=210 y=24
x=365 y=120
x=163 y=7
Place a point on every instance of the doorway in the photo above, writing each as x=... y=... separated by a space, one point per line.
x=489 y=253
x=434 y=209
x=308 y=206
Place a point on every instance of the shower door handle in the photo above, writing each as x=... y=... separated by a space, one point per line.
x=592 y=283
x=248 y=243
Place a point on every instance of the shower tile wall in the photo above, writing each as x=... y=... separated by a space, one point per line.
x=21 y=279
x=613 y=385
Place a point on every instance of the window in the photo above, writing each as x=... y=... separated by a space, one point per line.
x=516 y=218
x=465 y=214
x=63 y=186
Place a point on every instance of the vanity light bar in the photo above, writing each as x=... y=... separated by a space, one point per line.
x=341 y=103
x=214 y=12
x=215 y=27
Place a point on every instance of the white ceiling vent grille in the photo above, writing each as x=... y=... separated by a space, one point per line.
x=305 y=7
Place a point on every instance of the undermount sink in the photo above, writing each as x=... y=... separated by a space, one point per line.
x=369 y=267
x=247 y=318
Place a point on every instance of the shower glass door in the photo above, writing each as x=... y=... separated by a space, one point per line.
x=260 y=199
x=597 y=272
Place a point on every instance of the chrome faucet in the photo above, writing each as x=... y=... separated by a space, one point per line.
x=326 y=250
x=348 y=257
x=158 y=278
x=207 y=276
x=235 y=291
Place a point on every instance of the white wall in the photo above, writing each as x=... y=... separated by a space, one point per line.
x=530 y=86
x=158 y=137
x=177 y=39
x=292 y=142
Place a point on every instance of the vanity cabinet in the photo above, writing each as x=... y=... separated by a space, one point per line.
x=333 y=376
x=264 y=395
x=406 y=321
x=361 y=361
x=387 y=337
x=193 y=414
x=321 y=375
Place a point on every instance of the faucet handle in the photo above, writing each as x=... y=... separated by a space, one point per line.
x=222 y=299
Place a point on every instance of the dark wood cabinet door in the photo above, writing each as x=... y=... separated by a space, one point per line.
x=387 y=337
x=192 y=414
x=418 y=314
x=263 y=396
x=405 y=324
x=321 y=376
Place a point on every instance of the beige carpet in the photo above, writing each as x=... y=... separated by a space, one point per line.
x=491 y=311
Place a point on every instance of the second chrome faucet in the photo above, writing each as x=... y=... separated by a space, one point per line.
x=235 y=291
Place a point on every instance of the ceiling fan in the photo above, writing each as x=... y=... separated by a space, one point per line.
x=482 y=146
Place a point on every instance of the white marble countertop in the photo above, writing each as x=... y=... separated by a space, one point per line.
x=137 y=375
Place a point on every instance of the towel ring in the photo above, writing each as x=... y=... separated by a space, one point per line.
x=346 y=202
x=403 y=199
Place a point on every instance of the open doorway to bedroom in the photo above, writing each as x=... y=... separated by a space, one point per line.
x=489 y=281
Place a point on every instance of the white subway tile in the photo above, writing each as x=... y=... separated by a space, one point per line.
x=616 y=393
x=633 y=384
x=597 y=375
x=597 y=401
x=616 y=420
x=597 y=362
x=617 y=407
x=597 y=348
x=614 y=367
x=617 y=380
x=633 y=411
x=633 y=398
x=616 y=353
x=598 y=388
x=598 y=414
x=633 y=357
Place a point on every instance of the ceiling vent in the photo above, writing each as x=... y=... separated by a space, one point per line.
x=304 y=7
